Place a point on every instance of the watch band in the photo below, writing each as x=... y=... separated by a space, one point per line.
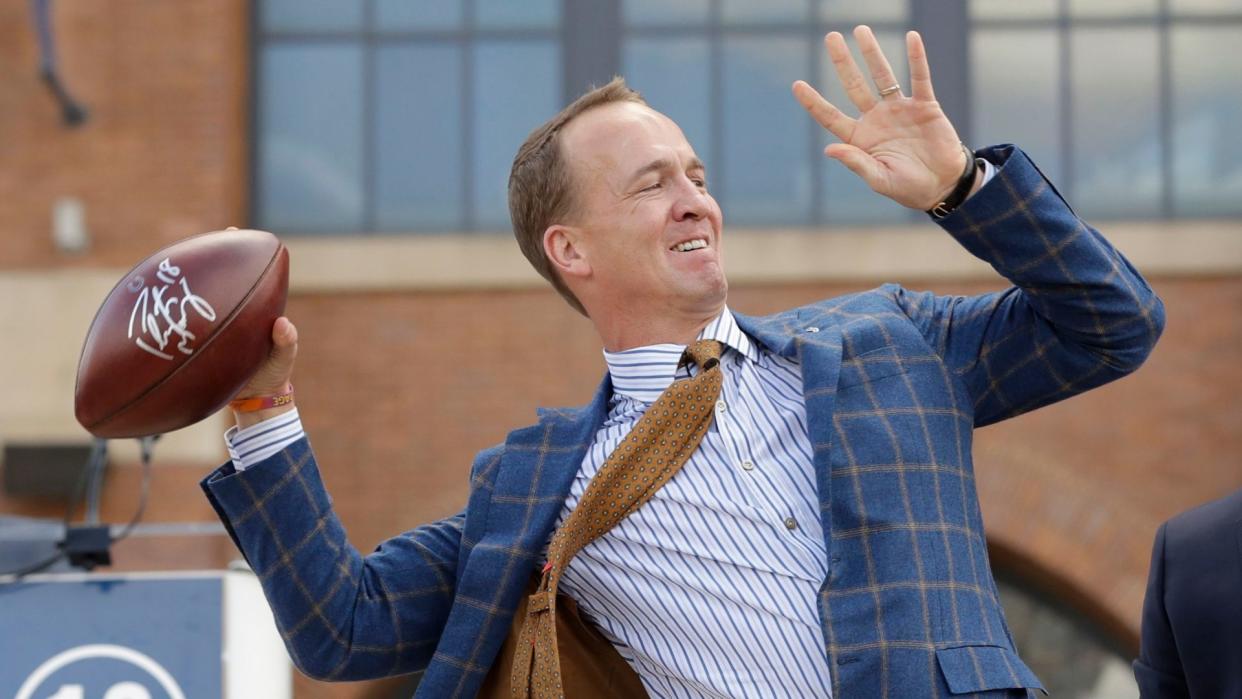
x=964 y=183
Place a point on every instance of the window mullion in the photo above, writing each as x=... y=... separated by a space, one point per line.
x=369 y=114
x=591 y=34
x=945 y=28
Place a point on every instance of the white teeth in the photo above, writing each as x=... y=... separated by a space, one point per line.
x=690 y=245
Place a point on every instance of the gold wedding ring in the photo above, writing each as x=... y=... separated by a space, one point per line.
x=890 y=90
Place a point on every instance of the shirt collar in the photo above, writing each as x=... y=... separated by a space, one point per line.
x=642 y=373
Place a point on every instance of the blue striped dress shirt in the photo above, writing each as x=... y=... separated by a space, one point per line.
x=710 y=589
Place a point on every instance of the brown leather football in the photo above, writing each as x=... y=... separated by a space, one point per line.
x=181 y=334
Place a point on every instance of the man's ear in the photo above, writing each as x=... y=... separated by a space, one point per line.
x=563 y=246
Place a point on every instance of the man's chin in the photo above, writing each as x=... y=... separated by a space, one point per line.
x=708 y=294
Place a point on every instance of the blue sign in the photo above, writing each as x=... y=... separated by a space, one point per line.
x=137 y=637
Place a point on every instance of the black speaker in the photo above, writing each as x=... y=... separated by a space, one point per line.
x=48 y=471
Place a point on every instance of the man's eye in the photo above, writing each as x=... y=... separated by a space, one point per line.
x=699 y=181
x=650 y=187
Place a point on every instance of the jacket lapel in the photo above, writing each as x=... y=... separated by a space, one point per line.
x=813 y=338
x=537 y=469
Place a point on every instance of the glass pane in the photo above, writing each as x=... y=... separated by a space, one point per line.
x=683 y=93
x=766 y=12
x=658 y=12
x=310 y=15
x=517 y=87
x=1112 y=8
x=844 y=197
x=1207 y=108
x=1115 y=122
x=407 y=15
x=1013 y=9
x=854 y=11
x=509 y=14
x=1027 y=111
x=767 y=158
x=1205 y=7
x=310 y=138
x=418 y=139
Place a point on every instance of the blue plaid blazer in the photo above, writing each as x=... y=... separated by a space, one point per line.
x=895 y=382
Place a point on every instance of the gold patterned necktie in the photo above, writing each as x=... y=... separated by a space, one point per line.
x=653 y=451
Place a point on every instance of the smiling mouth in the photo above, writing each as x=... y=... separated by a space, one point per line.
x=687 y=246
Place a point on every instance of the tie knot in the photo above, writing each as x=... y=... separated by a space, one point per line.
x=704 y=353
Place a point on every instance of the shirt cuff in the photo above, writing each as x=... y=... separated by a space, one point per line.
x=259 y=441
x=989 y=171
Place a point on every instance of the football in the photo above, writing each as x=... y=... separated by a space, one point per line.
x=181 y=334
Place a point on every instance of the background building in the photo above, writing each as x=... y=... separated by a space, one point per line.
x=375 y=137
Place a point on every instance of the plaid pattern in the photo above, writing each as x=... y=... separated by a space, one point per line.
x=894 y=384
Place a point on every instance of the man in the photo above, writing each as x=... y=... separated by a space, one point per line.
x=1192 y=615
x=824 y=539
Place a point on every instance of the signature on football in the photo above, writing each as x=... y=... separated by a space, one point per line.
x=163 y=311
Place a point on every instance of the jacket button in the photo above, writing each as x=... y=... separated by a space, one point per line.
x=791 y=523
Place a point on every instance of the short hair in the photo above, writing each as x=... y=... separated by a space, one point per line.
x=541 y=192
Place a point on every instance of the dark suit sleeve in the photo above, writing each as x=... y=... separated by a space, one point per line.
x=342 y=616
x=1158 y=669
x=1079 y=315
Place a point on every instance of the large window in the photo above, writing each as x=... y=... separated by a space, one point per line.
x=389 y=115
x=395 y=116
x=723 y=71
x=398 y=116
x=1128 y=105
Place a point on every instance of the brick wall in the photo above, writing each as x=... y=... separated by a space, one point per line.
x=162 y=156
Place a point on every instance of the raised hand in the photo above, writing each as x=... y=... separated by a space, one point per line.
x=903 y=147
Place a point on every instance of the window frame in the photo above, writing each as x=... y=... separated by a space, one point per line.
x=591 y=39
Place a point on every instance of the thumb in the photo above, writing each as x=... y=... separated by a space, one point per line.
x=275 y=372
x=284 y=347
x=284 y=337
x=859 y=162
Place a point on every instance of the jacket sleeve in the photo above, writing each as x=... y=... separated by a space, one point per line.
x=1079 y=315
x=342 y=616
x=1158 y=669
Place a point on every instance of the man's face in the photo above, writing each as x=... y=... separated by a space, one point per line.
x=647 y=228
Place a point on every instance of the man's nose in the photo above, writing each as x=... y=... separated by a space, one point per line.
x=691 y=201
